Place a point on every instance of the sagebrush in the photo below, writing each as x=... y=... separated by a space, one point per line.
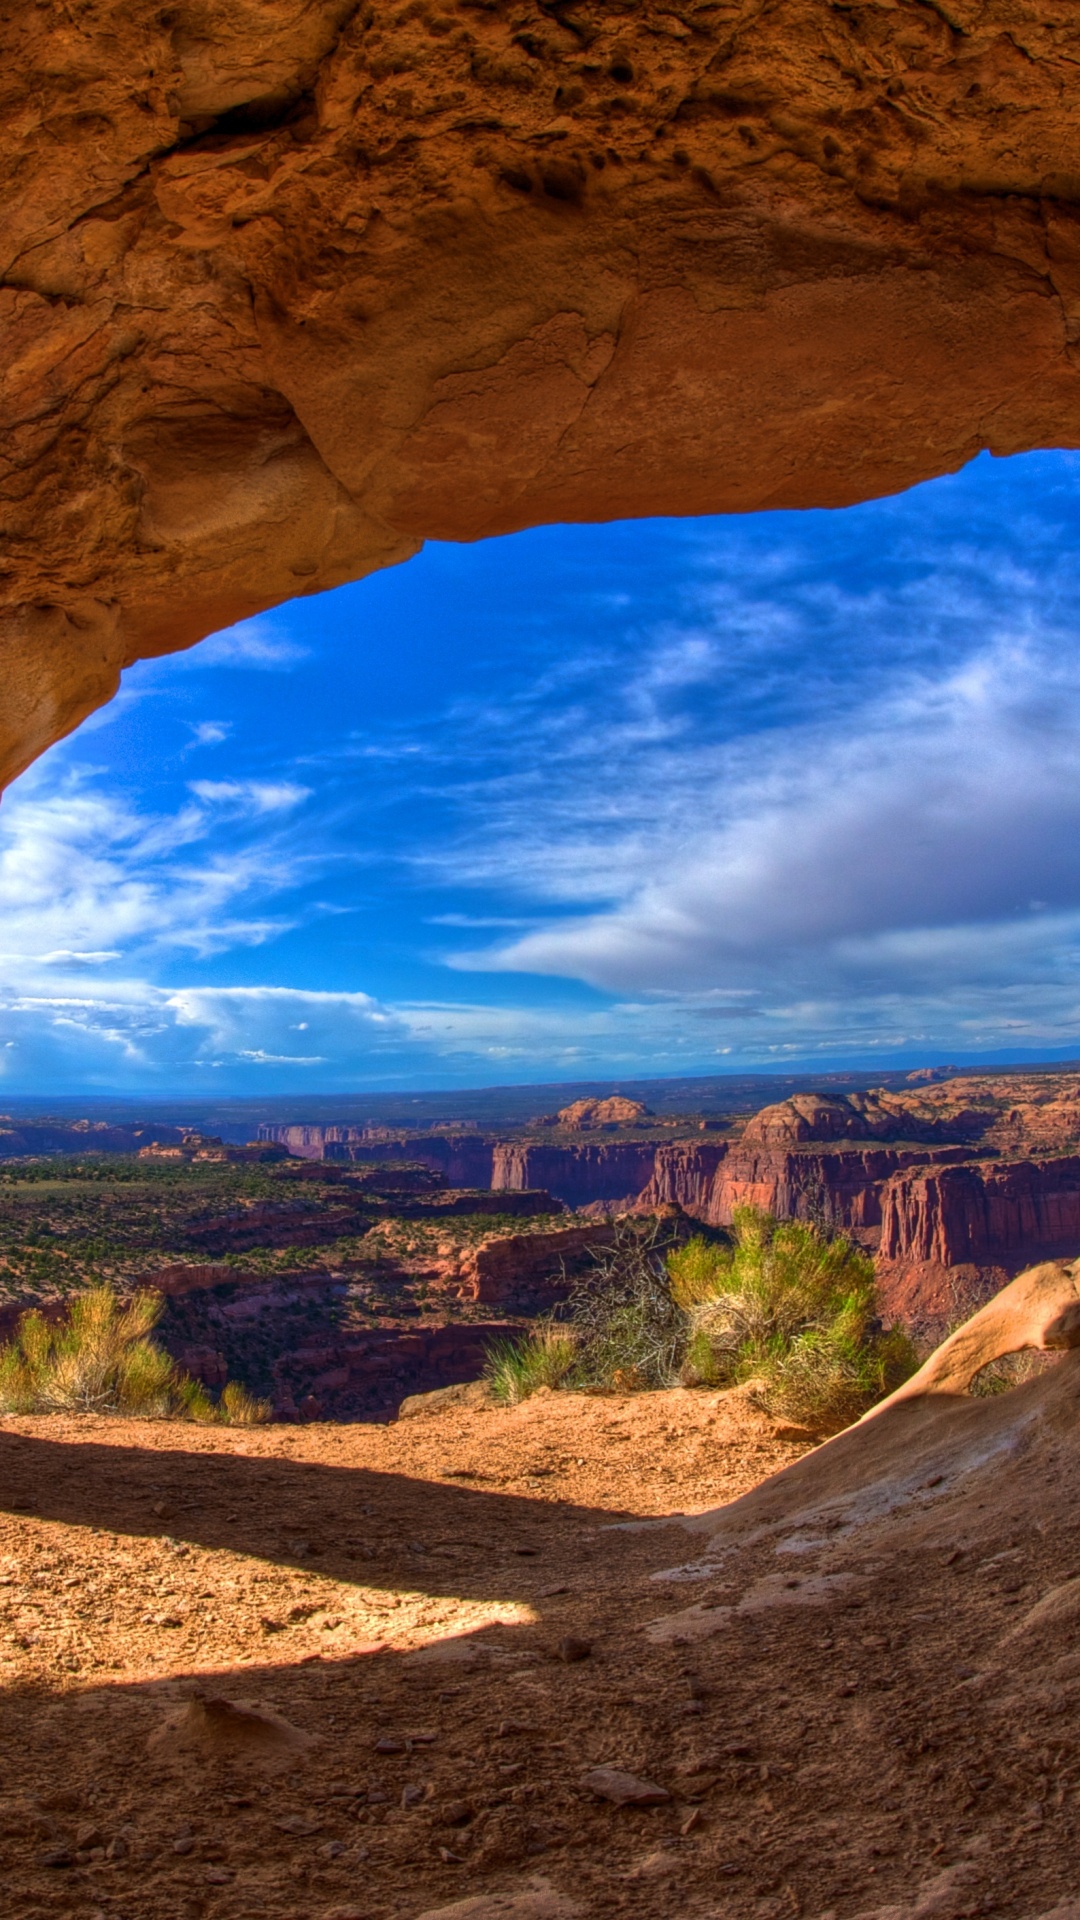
x=780 y=1307
x=792 y=1310
x=100 y=1358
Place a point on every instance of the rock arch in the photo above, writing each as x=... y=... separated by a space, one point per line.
x=289 y=287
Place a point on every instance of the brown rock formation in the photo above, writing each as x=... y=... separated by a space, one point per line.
x=988 y=1211
x=578 y=1174
x=523 y=1272
x=464 y=1160
x=616 y=1111
x=839 y=1187
x=288 y=289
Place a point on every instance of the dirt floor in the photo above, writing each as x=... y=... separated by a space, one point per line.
x=444 y=1625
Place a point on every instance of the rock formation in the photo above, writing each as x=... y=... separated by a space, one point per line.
x=616 y=1111
x=287 y=290
x=577 y=1174
x=986 y=1211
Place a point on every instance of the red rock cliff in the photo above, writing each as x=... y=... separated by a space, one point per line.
x=840 y=1187
x=985 y=1212
x=578 y=1174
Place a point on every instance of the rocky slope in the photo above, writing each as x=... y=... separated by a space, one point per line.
x=285 y=290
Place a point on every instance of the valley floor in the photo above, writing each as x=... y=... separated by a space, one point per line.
x=455 y=1606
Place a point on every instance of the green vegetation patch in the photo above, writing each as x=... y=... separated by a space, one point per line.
x=778 y=1307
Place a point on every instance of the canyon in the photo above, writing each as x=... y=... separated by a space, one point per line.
x=953 y=1184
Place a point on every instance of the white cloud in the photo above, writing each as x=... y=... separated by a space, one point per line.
x=250 y=796
x=261 y=643
x=209 y=733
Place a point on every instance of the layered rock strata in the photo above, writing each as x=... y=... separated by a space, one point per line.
x=993 y=1210
x=836 y=1188
x=578 y=1174
x=287 y=290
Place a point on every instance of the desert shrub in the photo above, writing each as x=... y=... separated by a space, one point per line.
x=100 y=1358
x=544 y=1357
x=630 y=1329
x=793 y=1311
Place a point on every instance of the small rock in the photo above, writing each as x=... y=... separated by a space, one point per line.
x=378 y=1797
x=456 y=1813
x=218 y=1876
x=271 y=1626
x=117 y=1849
x=386 y=1745
x=624 y=1789
x=690 y=1822
x=185 y=1844
x=507 y=1728
x=58 y=1857
x=571 y=1649
x=473 y=1393
x=411 y=1795
x=88 y=1836
x=298 y=1823
x=331 y=1849
x=537 y=1900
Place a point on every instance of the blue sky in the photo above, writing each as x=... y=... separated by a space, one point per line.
x=667 y=796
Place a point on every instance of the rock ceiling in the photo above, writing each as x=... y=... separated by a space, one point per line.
x=291 y=285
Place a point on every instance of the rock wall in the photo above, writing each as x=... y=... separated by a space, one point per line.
x=579 y=1174
x=991 y=1211
x=524 y=1272
x=464 y=1159
x=841 y=1187
x=287 y=290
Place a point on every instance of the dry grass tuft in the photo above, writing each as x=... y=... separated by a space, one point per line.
x=100 y=1358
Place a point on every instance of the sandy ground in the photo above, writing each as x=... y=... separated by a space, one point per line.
x=451 y=1613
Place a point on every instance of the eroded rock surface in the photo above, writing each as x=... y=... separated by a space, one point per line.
x=288 y=288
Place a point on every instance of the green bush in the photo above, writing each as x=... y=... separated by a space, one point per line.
x=792 y=1311
x=100 y=1358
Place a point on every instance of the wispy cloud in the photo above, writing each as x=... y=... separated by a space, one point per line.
x=262 y=643
x=250 y=796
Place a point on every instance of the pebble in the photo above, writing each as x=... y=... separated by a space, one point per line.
x=624 y=1789
x=218 y=1876
x=331 y=1849
x=571 y=1649
x=58 y=1857
x=386 y=1745
x=88 y=1836
x=297 y=1823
